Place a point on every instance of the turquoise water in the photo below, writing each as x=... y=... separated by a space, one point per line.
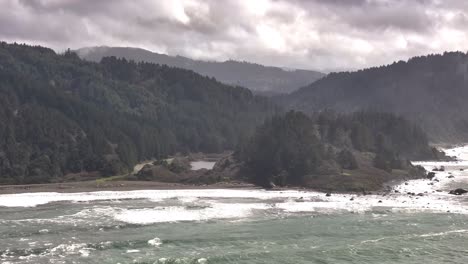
x=89 y=233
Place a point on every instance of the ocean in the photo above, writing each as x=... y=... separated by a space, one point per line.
x=242 y=226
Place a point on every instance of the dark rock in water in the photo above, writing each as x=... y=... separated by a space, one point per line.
x=420 y=194
x=451 y=177
x=462 y=169
x=300 y=200
x=436 y=180
x=406 y=183
x=380 y=201
x=352 y=199
x=328 y=194
x=431 y=175
x=397 y=191
x=458 y=191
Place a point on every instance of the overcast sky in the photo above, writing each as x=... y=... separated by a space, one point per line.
x=313 y=34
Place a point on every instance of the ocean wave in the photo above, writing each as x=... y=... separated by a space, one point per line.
x=444 y=233
x=155 y=242
x=207 y=204
x=180 y=213
x=35 y=199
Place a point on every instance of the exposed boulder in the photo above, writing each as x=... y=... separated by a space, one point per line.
x=458 y=191
x=430 y=175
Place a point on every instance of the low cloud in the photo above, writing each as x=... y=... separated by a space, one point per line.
x=327 y=35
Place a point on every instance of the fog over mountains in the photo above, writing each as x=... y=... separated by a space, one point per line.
x=260 y=79
x=430 y=90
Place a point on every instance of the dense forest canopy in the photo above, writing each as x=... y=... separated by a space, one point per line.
x=61 y=115
x=429 y=90
x=295 y=149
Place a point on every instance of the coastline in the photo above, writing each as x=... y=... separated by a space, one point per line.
x=93 y=186
x=125 y=185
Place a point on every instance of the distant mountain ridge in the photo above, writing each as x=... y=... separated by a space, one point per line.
x=258 y=78
x=430 y=90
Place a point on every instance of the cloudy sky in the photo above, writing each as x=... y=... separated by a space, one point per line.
x=325 y=35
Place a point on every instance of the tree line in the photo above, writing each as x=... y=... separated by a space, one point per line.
x=62 y=116
x=293 y=148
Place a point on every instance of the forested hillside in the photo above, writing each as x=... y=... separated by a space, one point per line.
x=333 y=151
x=61 y=115
x=430 y=90
x=260 y=79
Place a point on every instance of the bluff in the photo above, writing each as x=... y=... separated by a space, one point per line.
x=64 y=118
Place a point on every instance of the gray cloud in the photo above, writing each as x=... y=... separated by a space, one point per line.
x=314 y=34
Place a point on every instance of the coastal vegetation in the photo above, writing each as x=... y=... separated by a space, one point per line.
x=63 y=118
x=66 y=119
x=358 y=151
x=428 y=90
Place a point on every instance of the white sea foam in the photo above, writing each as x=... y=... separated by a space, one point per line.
x=218 y=203
x=71 y=249
x=287 y=201
x=34 y=199
x=155 y=242
x=179 y=213
x=444 y=233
